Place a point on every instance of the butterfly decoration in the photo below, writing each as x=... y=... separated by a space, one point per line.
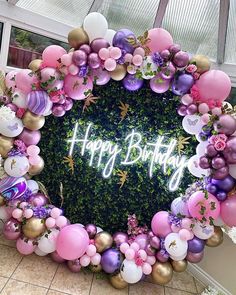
x=226 y=109
x=88 y=102
x=76 y=85
x=172 y=244
x=13 y=163
x=206 y=230
x=13 y=127
x=123 y=177
x=43 y=189
x=61 y=194
x=141 y=41
x=181 y=142
x=124 y=107
x=69 y=160
x=192 y=123
x=232 y=192
x=195 y=164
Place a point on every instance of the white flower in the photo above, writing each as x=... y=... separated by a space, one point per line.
x=231 y=231
x=211 y=291
x=6 y=114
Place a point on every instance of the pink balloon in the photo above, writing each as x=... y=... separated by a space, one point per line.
x=33 y=150
x=52 y=54
x=115 y=52
x=91 y=250
x=124 y=247
x=228 y=211
x=85 y=260
x=211 y=206
x=10 y=80
x=186 y=223
x=55 y=212
x=135 y=246
x=104 y=53
x=215 y=85
x=158 y=84
x=66 y=59
x=30 y=137
x=142 y=241
x=51 y=74
x=96 y=259
x=160 y=39
x=100 y=76
x=185 y=234
x=72 y=242
x=25 y=79
x=24 y=247
x=56 y=257
x=28 y=213
x=76 y=87
x=203 y=108
x=110 y=64
x=130 y=254
x=61 y=221
x=34 y=160
x=50 y=222
x=151 y=260
x=147 y=269
x=160 y=224
x=137 y=60
x=195 y=257
x=12 y=229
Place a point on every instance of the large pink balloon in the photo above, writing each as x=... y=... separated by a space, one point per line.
x=228 y=211
x=52 y=54
x=209 y=206
x=25 y=79
x=160 y=39
x=30 y=137
x=10 y=80
x=160 y=224
x=76 y=87
x=72 y=242
x=215 y=85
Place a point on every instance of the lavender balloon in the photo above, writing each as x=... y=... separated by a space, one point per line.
x=196 y=245
x=221 y=196
x=182 y=110
x=111 y=260
x=155 y=242
x=74 y=265
x=56 y=257
x=158 y=84
x=98 y=44
x=38 y=102
x=121 y=40
x=182 y=84
x=221 y=173
x=218 y=162
x=79 y=57
x=94 y=60
x=91 y=230
x=178 y=206
x=119 y=238
x=86 y=48
x=230 y=150
x=204 y=162
x=195 y=257
x=100 y=76
x=211 y=151
x=142 y=240
x=192 y=109
x=168 y=71
x=131 y=83
x=226 y=184
x=162 y=256
x=68 y=104
x=12 y=229
x=150 y=250
x=38 y=200
x=226 y=124
x=181 y=59
x=30 y=137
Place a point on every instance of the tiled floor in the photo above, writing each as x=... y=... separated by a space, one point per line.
x=34 y=275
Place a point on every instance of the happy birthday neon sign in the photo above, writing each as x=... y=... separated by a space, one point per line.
x=155 y=153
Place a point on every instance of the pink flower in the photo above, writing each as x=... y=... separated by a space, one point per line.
x=219 y=137
x=139 y=261
x=220 y=145
x=191 y=68
x=195 y=94
x=20 y=145
x=20 y=112
x=196 y=76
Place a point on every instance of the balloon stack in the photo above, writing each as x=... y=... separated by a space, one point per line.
x=51 y=85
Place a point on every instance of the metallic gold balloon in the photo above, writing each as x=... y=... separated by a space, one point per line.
x=77 y=37
x=96 y=268
x=2 y=200
x=33 y=228
x=117 y=281
x=103 y=241
x=6 y=144
x=32 y=121
x=202 y=62
x=35 y=64
x=36 y=169
x=179 y=266
x=119 y=73
x=162 y=273
x=216 y=239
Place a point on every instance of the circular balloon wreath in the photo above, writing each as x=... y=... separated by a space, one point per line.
x=51 y=85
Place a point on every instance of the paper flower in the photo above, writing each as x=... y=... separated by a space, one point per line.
x=6 y=114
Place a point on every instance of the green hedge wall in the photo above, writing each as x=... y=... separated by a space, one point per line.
x=88 y=197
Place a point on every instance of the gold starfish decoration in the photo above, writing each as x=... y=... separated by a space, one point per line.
x=76 y=85
x=69 y=160
x=123 y=177
x=13 y=163
x=124 y=107
x=88 y=101
x=181 y=142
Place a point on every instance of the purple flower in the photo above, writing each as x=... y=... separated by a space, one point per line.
x=83 y=71
x=41 y=212
x=157 y=59
x=27 y=194
x=174 y=220
x=20 y=145
x=16 y=152
x=121 y=60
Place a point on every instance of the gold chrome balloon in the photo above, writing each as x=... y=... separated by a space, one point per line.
x=36 y=169
x=162 y=273
x=32 y=121
x=33 y=227
x=77 y=37
x=2 y=200
x=35 y=64
x=6 y=144
x=96 y=268
x=119 y=73
x=117 y=281
x=103 y=241
x=216 y=239
x=202 y=62
x=179 y=266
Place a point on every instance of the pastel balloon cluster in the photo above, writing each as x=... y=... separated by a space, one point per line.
x=90 y=257
x=110 y=56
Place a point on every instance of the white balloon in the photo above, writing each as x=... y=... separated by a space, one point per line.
x=4 y=215
x=11 y=128
x=201 y=147
x=218 y=222
x=203 y=230
x=95 y=25
x=19 y=99
x=148 y=68
x=198 y=137
x=109 y=36
x=33 y=186
x=192 y=124
x=232 y=170
x=99 y=229
x=195 y=169
x=178 y=258
x=47 y=243
x=175 y=246
x=39 y=252
x=131 y=272
x=16 y=166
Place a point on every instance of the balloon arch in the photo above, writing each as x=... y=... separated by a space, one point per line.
x=50 y=86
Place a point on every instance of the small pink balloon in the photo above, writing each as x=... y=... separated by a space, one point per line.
x=124 y=247
x=34 y=160
x=135 y=246
x=74 y=265
x=115 y=52
x=139 y=51
x=147 y=269
x=33 y=150
x=25 y=246
x=159 y=85
x=151 y=260
x=58 y=110
x=195 y=257
x=91 y=250
x=55 y=212
x=17 y=213
x=73 y=69
x=216 y=111
x=160 y=224
x=142 y=254
x=85 y=260
x=128 y=57
x=56 y=257
x=186 y=99
x=160 y=39
x=205 y=118
x=175 y=228
x=61 y=221
x=66 y=59
x=110 y=64
x=203 y=108
x=28 y=213
x=96 y=259
x=137 y=60
x=12 y=229
x=25 y=79
x=50 y=222
x=23 y=205
x=52 y=54
x=184 y=234
x=104 y=53
x=186 y=223
x=38 y=200
x=142 y=241
x=130 y=254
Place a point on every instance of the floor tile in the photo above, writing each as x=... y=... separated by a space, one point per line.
x=9 y=259
x=20 y=288
x=36 y=270
x=183 y=281
x=200 y=286
x=145 y=288
x=2 y=282
x=71 y=283
x=103 y=287
x=53 y=292
x=170 y=291
x=9 y=243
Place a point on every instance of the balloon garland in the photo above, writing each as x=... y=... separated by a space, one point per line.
x=50 y=85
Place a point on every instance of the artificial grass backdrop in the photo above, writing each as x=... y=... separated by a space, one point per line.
x=88 y=197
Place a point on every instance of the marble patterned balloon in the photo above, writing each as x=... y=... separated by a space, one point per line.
x=38 y=102
x=16 y=190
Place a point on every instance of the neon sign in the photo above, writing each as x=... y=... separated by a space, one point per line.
x=155 y=153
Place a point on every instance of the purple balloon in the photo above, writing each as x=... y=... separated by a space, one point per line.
x=182 y=110
x=68 y=104
x=30 y=137
x=56 y=257
x=195 y=257
x=218 y=162
x=131 y=83
x=158 y=84
x=162 y=256
x=120 y=40
x=150 y=250
x=182 y=84
x=86 y=48
x=221 y=196
x=226 y=184
x=192 y=109
x=168 y=71
x=91 y=230
x=178 y=206
x=142 y=240
x=58 y=110
x=211 y=151
x=94 y=60
x=230 y=150
x=100 y=76
x=196 y=245
x=38 y=101
x=98 y=44
x=150 y=234
x=226 y=124
x=74 y=265
x=12 y=229
x=221 y=173
x=119 y=238
x=165 y=54
x=181 y=59
x=155 y=242
x=174 y=48
x=211 y=188
x=79 y=57
x=38 y=200
x=204 y=162
x=111 y=260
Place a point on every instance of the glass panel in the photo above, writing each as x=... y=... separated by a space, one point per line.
x=70 y=12
x=230 y=52
x=26 y=46
x=194 y=25
x=1 y=30
x=136 y=15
